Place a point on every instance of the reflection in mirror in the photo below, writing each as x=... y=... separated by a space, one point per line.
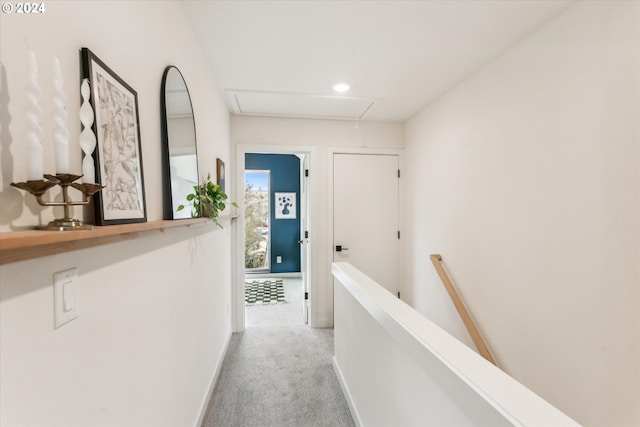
x=179 y=153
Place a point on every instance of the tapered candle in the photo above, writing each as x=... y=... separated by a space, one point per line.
x=87 y=138
x=34 y=128
x=60 y=131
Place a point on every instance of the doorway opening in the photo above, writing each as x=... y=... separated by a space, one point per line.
x=275 y=276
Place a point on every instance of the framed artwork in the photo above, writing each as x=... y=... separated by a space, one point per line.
x=220 y=174
x=118 y=154
x=285 y=205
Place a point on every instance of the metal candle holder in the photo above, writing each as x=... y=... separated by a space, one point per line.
x=39 y=187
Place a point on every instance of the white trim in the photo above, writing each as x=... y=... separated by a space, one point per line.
x=238 y=309
x=212 y=384
x=372 y=151
x=275 y=275
x=237 y=293
x=347 y=393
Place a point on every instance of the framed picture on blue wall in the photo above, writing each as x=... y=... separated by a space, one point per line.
x=285 y=205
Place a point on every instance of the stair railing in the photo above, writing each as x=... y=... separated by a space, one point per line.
x=436 y=259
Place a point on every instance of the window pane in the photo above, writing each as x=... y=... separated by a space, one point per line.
x=256 y=203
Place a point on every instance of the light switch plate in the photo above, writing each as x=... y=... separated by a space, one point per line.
x=278 y=259
x=65 y=296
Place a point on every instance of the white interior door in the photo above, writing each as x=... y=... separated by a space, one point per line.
x=365 y=215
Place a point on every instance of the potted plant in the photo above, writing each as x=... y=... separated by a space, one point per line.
x=207 y=200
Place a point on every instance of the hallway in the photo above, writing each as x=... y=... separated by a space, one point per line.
x=278 y=372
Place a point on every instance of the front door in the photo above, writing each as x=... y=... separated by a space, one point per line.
x=365 y=215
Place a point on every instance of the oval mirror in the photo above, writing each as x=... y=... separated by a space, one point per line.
x=179 y=152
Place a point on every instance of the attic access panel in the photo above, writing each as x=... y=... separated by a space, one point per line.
x=299 y=105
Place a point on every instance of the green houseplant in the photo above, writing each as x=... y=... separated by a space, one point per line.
x=207 y=200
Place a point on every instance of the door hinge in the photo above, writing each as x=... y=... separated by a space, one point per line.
x=306 y=172
x=398 y=173
x=398 y=234
x=398 y=294
x=306 y=295
x=306 y=234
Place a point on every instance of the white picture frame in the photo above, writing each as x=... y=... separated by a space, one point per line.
x=285 y=205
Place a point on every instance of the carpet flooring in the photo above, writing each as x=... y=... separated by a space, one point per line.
x=278 y=377
x=264 y=291
x=291 y=313
x=278 y=372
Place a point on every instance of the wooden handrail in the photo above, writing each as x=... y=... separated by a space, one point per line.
x=436 y=259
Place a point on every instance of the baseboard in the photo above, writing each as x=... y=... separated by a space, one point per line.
x=321 y=323
x=212 y=384
x=347 y=394
x=275 y=275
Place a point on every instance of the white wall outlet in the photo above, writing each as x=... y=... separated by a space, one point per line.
x=65 y=296
x=278 y=259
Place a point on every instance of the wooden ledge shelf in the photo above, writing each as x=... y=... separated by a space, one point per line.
x=22 y=245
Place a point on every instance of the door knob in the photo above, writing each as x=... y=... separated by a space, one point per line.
x=340 y=248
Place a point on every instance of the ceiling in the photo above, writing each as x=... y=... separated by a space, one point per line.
x=282 y=58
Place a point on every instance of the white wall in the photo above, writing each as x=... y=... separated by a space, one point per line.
x=154 y=311
x=526 y=179
x=321 y=136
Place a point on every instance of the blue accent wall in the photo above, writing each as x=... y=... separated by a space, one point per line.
x=284 y=233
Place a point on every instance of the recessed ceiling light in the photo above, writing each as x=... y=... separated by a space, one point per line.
x=341 y=87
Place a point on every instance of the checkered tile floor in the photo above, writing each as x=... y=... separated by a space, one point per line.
x=264 y=291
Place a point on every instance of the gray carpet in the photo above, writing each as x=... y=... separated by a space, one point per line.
x=289 y=314
x=279 y=376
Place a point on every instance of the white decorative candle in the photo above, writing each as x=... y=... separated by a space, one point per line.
x=60 y=131
x=34 y=128
x=87 y=138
